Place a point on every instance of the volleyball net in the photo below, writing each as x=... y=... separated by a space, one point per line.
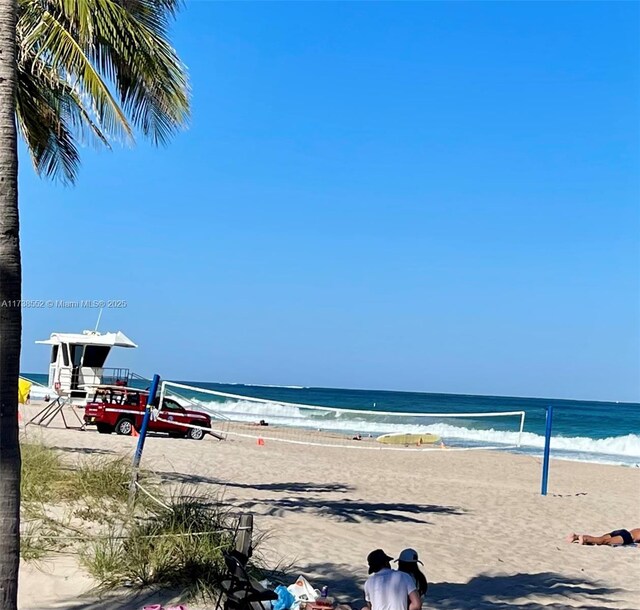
x=263 y=419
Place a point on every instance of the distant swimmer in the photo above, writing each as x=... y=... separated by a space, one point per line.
x=613 y=538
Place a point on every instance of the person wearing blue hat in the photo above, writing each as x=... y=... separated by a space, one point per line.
x=388 y=589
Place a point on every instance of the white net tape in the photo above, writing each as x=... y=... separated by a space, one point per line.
x=263 y=419
x=219 y=423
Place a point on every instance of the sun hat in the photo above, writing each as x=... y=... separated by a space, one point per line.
x=377 y=559
x=409 y=556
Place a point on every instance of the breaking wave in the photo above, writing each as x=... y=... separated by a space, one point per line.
x=465 y=431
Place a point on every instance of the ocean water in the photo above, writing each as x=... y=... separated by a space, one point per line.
x=606 y=432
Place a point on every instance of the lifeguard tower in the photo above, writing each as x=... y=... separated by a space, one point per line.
x=77 y=362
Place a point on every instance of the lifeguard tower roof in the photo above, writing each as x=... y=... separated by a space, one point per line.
x=78 y=361
x=90 y=337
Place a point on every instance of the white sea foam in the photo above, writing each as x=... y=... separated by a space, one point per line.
x=38 y=392
x=263 y=385
x=246 y=410
x=288 y=415
x=287 y=387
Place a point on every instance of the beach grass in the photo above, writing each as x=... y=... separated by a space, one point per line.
x=46 y=477
x=38 y=540
x=42 y=473
x=64 y=499
x=177 y=546
x=101 y=478
x=96 y=487
x=81 y=506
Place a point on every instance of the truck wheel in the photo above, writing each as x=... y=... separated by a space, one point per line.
x=104 y=428
x=124 y=426
x=195 y=434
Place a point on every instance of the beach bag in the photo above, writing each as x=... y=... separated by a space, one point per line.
x=302 y=591
x=285 y=599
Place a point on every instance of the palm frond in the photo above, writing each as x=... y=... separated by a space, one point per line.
x=48 y=38
x=128 y=44
x=43 y=123
x=153 y=88
x=154 y=14
x=75 y=57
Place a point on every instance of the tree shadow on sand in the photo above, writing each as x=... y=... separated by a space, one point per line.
x=123 y=599
x=539 y=591
x=500 y=592
x=293 y=487
x=86 y=450
x=354 y=511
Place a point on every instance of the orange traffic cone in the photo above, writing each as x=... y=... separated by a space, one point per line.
x=261 y=442
x=134 y=432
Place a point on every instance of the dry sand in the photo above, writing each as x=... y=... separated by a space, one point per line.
x=487 y=537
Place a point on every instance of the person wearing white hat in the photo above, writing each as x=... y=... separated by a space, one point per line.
x=388 y=589
x=408 y=562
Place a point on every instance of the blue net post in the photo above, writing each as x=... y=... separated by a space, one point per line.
x=153 y=390
x=547 y=447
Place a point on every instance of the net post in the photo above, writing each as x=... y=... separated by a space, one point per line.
x=245 y=534
x=163 y=391
x=522 y=416
x=137 y=456
x=547 y=447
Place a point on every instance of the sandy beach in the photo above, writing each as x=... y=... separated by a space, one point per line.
x=486 y=536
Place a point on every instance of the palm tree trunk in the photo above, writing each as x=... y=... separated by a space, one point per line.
x=10 y=315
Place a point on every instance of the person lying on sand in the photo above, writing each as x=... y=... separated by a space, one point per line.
x=611 y=539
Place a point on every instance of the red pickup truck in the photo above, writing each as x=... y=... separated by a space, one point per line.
x=121 y=409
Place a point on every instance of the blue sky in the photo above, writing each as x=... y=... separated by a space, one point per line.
x=420 y=196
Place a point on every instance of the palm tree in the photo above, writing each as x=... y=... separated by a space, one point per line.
x=10 y=317
x=70 y=71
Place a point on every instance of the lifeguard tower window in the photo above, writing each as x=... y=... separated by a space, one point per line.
x=95 y=355
x=54 y=353
x=76 y=359
x=76 y=354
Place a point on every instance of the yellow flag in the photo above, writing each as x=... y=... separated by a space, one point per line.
x=24 y=387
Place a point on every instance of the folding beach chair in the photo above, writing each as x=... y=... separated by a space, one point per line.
x=240 y=590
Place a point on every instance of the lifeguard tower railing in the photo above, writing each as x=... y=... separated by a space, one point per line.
x=82 y=379
x=112 y=375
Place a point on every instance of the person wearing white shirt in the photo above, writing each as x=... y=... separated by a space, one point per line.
x=388 y=589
